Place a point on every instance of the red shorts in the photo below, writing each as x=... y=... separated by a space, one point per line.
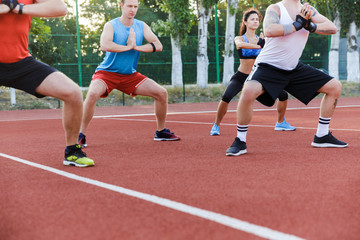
x=125 y=83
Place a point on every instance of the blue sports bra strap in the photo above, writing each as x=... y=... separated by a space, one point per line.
x=245 y=38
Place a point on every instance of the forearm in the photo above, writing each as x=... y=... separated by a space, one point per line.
x=326 y=28
x=4 y=9
x=50 y=8
x=149 y=48
x=247 y=45
x=279 y=30
x=110 y=46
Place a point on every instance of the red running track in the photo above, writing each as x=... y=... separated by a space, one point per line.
x=281 y=184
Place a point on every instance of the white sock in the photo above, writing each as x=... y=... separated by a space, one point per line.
x=323 y=127
x=241 y=132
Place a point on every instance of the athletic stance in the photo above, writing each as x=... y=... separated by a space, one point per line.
x=249 y=46
x=18 y=69
x=287 y=25
x=122 y=40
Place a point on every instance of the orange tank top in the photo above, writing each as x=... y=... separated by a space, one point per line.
x=14 y=36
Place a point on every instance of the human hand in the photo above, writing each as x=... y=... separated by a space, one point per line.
x=306 y=11
x=131 y=39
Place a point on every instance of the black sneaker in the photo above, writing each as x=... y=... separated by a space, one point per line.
x=82 y=140
x=165 y=135
x=237 y=148
x=74 y=156
x=328 y=141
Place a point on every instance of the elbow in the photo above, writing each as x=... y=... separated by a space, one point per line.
x=62 y=9
x=159 y=47
x=270 y=32
x=333 y=30
x=103 y=47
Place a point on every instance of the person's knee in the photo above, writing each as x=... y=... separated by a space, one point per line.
x=73 y=95
x=161 y=94
x=338 y=88
x=249 y=94
x=333 y=88
x=283 y=96
x=226 y=98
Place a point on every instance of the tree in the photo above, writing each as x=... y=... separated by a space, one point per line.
x=349 y=11
x=178 y=26
x=204 y=13
x=229 y=40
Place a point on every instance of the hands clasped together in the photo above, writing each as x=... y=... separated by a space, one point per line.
x=303 y=19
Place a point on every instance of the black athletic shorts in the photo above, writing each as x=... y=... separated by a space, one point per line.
x=26 y=74
x=303 y=82
x=236 y=84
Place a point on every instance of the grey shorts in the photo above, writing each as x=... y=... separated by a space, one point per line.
x=303 y=82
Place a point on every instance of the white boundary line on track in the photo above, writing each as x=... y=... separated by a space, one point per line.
x=169 y=113
x=226 y=124
x=212 y=111
x=205 y=214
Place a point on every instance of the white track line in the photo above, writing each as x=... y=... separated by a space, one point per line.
x=31 y=118
x=212 y=111
x=225 y=124
x=212 y=216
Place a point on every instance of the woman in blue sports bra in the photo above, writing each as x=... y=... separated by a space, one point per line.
x=249 y=46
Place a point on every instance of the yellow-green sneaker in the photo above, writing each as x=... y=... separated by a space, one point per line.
x=74 y=156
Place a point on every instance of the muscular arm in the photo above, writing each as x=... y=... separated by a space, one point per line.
x=44 y=8
x=239 y=43
x=107 y=43
x=272 y=27
x=324 y=25
x=4 y=9
x=150 y=37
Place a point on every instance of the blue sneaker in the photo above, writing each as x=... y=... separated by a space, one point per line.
x=284 y=126
x=215 y=130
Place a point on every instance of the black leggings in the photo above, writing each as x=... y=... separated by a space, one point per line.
x=236 y=84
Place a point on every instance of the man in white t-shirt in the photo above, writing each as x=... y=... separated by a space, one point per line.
x=287 y=25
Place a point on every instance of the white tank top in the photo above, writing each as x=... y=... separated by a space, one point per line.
x=284 y=52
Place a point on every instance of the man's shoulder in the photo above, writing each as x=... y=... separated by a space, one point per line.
x=137 y=21
x=274 y=6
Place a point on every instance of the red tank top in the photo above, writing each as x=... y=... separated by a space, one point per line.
x=14 y=36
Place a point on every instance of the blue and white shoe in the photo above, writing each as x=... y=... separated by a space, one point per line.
x=215 y=130
x=284 y=126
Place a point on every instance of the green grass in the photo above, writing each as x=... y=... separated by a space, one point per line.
x=212 y=93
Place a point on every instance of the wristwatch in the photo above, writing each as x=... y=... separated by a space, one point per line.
x=21 y=5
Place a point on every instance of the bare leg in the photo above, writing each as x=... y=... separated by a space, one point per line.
x=281 y=108
x=332 y=91
x=221 y=111
x=250 y=92
x=96 y=89
x=58 y=85
x=151 y=89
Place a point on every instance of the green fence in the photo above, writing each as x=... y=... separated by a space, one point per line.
x=158 y=65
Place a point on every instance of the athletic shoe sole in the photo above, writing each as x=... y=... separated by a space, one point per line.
x=70 y=163
x=83 y=145
x=283 y=129
x=237 y=154
x=166 y=139
x=214 y=134
x=327 y=145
